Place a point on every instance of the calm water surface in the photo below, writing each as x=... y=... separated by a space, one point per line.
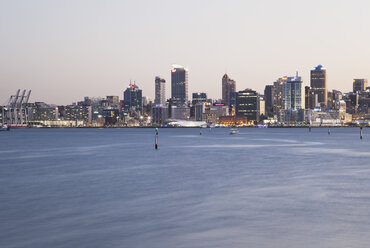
x=110 y=188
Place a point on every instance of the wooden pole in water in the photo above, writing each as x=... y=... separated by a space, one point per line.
x=200 y=131
x=156 y=139
x=360 y=132
x=329 y=130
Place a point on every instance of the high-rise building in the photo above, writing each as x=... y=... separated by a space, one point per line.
x=228 y=86
x=247 y=104
x=293 y=93
x=112 y=100
x=179 y=85
x=319 y=85
x=132 y=100
x=160 y=91
x=278 y=94
x=199 y=97
x=359 y=85
x=159 y=114
x=269 y=100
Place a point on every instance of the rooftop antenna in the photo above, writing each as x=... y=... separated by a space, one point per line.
x=296 y=74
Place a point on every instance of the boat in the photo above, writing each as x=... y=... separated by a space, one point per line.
x=4 y=128
x=234 y=131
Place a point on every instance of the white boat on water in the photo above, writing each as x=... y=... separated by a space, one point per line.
x=5 y=128
x=234 y=131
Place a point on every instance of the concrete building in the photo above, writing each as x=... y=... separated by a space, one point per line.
x=293 y=93
x=180 y=112
x=278 y=94
x=319 y=85
x=199 y=98
x=359 y=85
x=160 y=91
x=112 y=101
x=247 y=104
x=132 y=100
x=179 y=85
x=269 y=100
x=228 y=86
x=159 y=114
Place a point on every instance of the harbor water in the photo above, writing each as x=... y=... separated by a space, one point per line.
x=111 y=188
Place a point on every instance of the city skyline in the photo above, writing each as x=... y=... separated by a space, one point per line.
x=64 y=50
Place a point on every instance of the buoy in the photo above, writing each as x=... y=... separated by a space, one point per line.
x=156 y=139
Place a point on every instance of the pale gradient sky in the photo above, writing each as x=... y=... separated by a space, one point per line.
x=65 y=50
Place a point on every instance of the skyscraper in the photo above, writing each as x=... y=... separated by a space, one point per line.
x=132 y=100
x=359 y=85
x=293 y=93
x=247 y=104
x=228 y=86
x=319 y=86
x=160 y=91
x=269 y=100
x=179 y=85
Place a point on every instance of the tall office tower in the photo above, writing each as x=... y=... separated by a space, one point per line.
x=199 y=98
x=179 y=85
x=278 y=94
x=269 y=100
x=319 y=86
x=247 y=104
x=309 y=98
x=160 y=91
x=359 y=85
x=228 y=86
x=132 y=100
x=293 y=93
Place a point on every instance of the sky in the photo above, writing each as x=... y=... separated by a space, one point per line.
x=66 y=50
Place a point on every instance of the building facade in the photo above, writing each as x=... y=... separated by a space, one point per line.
x=293 y=93
x=269 y=100
x=179 y=85
x=359 y=85
x=160 y=91
x=228 y=86
x=247 y=104
x=132 y=100
x=319 y=85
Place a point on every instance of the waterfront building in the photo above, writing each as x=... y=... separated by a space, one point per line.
x=159 y=114
x=247 y=104
x=132 y=100
x=291 y=116
x=269 y=100
x=233 y=121
x=44 y=113
x=359 y=85
x=199 y=110
x=179 y=85
x=319 y=85
x=77 y=113
x=228 y=86
x=180 y=112
x=160 y=91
